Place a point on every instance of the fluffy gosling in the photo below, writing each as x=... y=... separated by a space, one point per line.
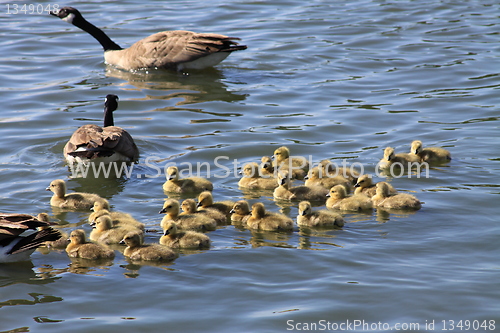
x=62 y=242
x=317 y=177
x=206 y=200
x=136 y=250
x=174 y=238
x=285 y=192
x=101 y=207
x=365 y=186
x=402 y=160
x=400 y=201
x=80 y=248
x=262 y=220
x=197 y=222
x=104 y=232
x=298 y=166
x=430 y=154
x=322 y=218
x=252 y=178
x=338 y=199
x=72 y=201
x=240 y=212
x=188 y=206
x=175 y=184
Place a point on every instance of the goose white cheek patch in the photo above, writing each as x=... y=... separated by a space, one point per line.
x=69 y=18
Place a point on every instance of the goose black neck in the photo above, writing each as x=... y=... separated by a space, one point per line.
x=108 y=117
x=106 y=42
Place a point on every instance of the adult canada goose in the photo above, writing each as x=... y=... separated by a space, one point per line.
x=185 y=185
x=240 y=212
x=285 y=192
x=109 y=143
x=188 y=207
x=171 y=209
x=430 y=154
x=338 y=199
x=80 y=248
x=262 y=220
x=177 y=50
x=252 y=178
x=298 y=165
x=13 y=246
x=175 y=238
x=317 y=177
x=321 y=218
x=105 y=233
x=75 y=200
x=136 y=250
x=399 y=201
x=365 y=186
x=401 y=160
x=101 y=207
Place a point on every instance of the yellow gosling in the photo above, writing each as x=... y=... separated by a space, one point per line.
x=175 y=184
x=400 y=201
x=322 y=218
x=402 y=160
x=104 y=232
x=240 y=212
x=174 y=238
x=206 y=200
x=171 y=209
x=136 y=250
x=101 y=207
x=318 y=177
x=296 y=166
x=262 y=220
x=72 y=201
x=62 y=242
x=80 y=248
x=252 y=179
x=338 y=199
x=431 y=154
x=365 y=186
x=267 y=167
x=286 y=192
x=188 y=206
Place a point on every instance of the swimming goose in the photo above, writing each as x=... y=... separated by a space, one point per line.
x=262 y=220
x=136 y=250
x=104 y=232
x=401 y=160
x=240 y=212
x=14 y=247
x=101 y=207
x=62 y=242
x=299 y=165
x=400 y=201
x=177 y=50
x=317 y=177
x=186 y=185
x=73 y=201
x=188 y=207
x=430 y=154
x=171 y=208
x=285 y=192
x=365 y=186
x=322 y=218
x=206 y=200
x=109 y=143
x=80 y=248
x=252 y=178
x=174 y=238
x=338 y=199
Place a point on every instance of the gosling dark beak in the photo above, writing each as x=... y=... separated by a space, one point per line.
x=198 y=205
x=122 y=242
x=303 y=213
x=166 y=233
x=163 y=211
x=357 y=185
x=328 y=195
x=232 y=211
x=47 y=188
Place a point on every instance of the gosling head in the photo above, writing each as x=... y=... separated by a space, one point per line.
x=205 y=199
x=416 y=147
x=44 y=217
x=77 y=237
x=382 y=189
x=364 y=181
x=388 y=153
x=250 y=170
x=58 y=187
x=305 y=208
x=132 y=239
x=170 y=206
x=337 y=192
x=172 y=173
x=240 y=207
x=102 y=223
x=170 y=228
x=188 y=206
x=284 y=178
x=258 y=210
x=281 y=154
x=100 y=205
